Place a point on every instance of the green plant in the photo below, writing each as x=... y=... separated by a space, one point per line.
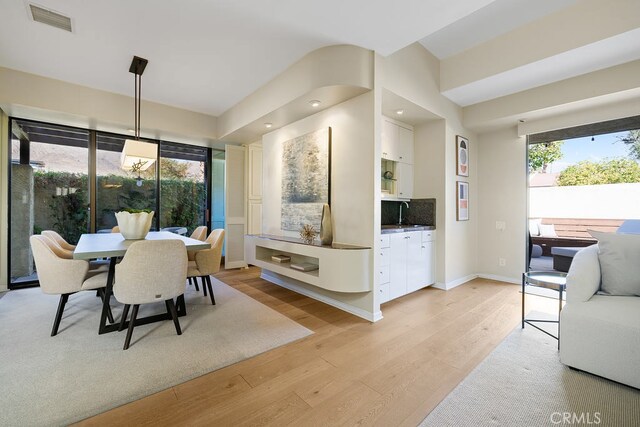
x=632 y=140
x=134 y=211
x=612 y=171
x=70 y=215
x=543 y=154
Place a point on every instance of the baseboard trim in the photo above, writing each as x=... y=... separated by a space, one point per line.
x=371 y=317
x=454 y=283
x=500 y=278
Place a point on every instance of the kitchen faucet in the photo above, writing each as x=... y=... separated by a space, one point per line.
x=400 y=218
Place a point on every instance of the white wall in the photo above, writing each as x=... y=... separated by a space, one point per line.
x=34 y=97
x=430 y=179
x=611 y=201
x=502 y=196
x=352 y=178
x=414 y=74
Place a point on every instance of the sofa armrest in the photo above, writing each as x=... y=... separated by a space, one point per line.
x=583 y=278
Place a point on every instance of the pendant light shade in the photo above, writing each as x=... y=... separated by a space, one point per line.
x=137 y=155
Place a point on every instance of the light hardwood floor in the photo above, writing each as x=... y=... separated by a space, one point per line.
x=391 y=373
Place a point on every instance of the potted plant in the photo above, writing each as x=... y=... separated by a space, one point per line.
x=134 y=223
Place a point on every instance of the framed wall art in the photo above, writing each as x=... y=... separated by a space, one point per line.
x=462 y=156
x=306 y=179
x=462 y=199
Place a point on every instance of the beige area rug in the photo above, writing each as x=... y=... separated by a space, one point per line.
x=57 y=380
x=523 y=383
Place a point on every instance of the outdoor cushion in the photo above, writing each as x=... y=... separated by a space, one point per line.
x=619 y=255
x=536 y=251
x=564 y=251
x=547 y=230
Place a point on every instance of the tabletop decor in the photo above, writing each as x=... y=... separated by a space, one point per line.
x=308 y=233
x=326 y=226
x=306 y=175
x=134 y=224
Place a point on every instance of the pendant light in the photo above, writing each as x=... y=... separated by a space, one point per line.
x=137 y=155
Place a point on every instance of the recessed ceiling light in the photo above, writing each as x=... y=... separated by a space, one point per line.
x=314 y=103
x=399 y=112
x=522 y=120
x=268 y=125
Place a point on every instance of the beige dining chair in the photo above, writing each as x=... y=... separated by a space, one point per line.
x=200 y=233
x=207 y=262
x=53 y=235
x=150 y=271
x=56 y=245
x=64 y=277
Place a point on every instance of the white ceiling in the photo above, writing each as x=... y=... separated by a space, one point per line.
x=207 y=55
x=499 y=17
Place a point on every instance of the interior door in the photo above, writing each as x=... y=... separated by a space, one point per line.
x=235 y=210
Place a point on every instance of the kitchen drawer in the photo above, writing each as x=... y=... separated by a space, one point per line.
x=383 y=292
x=428 y=235
x=383 y=275
x=384 y=241
x=384 y=257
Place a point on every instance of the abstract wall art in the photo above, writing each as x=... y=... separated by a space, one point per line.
x=462 y=197
x=306 y=176
x=462 y=156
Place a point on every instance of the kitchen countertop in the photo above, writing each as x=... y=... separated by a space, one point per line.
x=386 y=229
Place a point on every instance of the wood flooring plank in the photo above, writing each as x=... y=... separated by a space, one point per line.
x=350 y=371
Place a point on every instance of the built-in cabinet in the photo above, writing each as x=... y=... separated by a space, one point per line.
x=406 y=263
x=254 y=189
x=397 y=158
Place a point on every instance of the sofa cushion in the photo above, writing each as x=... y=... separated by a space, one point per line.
x=619 y=256
x=564 y=251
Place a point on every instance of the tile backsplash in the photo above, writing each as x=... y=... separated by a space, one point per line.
x=421 y=211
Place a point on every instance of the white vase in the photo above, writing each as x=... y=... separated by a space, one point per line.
x=326 y=228
x=134 y=226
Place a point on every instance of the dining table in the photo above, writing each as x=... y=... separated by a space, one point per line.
x=113 y=246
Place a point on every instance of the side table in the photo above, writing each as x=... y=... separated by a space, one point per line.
x=554 y=280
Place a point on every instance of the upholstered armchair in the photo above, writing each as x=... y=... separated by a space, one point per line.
x=64 y=277
x=207 y=262
x=151 y=271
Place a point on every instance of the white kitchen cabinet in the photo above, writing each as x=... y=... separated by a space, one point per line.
x=389 y=140
x=411 y=260
x=404 y=182
x=405 y=145
x=398 y=265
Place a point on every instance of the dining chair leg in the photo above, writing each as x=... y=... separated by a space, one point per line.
x=134 y=314
x=195 y=282
x=208 y=279
x=102 y=297
x=204 y=285
x=56 y=323
x=123 y=320
x=171 y=308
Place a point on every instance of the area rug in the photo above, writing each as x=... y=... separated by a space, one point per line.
x=523 y=383
x=57 y=380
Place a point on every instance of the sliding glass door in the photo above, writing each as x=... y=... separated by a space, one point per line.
x=184 y=171
x=49 y=189
x=70 y=180
x=118 y=189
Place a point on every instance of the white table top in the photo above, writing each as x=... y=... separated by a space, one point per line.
x=104 y=245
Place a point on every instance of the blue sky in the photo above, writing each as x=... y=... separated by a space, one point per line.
x=579 y=149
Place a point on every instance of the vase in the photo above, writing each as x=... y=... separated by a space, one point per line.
x=134 y=226
x=326 y=228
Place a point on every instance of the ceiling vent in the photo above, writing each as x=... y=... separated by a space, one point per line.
x=49 y=17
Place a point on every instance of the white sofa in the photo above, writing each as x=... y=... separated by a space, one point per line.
x=599 y=334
